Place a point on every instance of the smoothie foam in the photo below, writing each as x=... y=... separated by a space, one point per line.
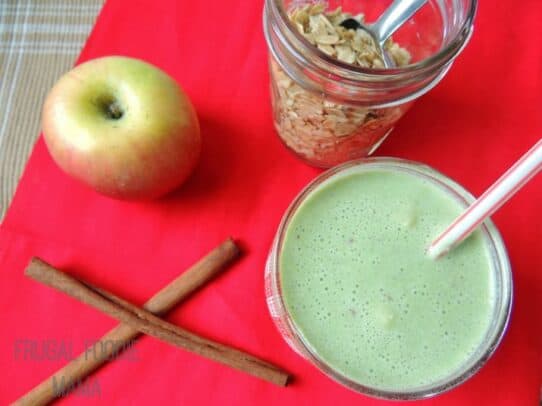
x=362 y=293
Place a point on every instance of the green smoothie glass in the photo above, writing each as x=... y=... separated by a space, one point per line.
x=350 y=288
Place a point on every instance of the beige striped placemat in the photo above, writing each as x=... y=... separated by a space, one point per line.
x=39 y=40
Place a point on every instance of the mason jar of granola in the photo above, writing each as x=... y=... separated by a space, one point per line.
x=333 y=99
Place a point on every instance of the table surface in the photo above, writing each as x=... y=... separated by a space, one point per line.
x=39 y=40
x=473 y=126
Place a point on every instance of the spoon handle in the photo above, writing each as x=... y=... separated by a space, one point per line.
x=394 y=17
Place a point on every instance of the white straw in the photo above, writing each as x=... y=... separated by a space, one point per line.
x=493 y=198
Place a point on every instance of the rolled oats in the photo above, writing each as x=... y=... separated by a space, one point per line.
x=322 y=131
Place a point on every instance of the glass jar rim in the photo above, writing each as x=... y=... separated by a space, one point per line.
x=493 y=239
x=440 y=58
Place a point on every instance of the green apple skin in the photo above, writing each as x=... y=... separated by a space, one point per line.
x=123 y=127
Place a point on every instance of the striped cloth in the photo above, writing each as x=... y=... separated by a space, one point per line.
x=39 y=40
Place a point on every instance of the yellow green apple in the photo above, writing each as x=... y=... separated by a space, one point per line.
x=123 y=127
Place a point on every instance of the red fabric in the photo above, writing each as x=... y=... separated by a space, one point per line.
x=474 y=125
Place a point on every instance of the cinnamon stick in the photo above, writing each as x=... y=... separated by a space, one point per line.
x=152 y=325
x=163 y=301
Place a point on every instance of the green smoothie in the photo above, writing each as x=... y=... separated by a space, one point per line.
x=361 y=291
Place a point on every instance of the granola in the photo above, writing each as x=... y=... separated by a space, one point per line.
x=320 y=130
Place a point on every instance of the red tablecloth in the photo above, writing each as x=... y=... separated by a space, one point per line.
x=481 y=118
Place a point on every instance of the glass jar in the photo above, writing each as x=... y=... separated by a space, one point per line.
x=328 y=111
x=501 y=269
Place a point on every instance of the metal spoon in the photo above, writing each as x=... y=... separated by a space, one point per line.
x=392 y=18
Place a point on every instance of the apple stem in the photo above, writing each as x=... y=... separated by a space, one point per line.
x=114 y=111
